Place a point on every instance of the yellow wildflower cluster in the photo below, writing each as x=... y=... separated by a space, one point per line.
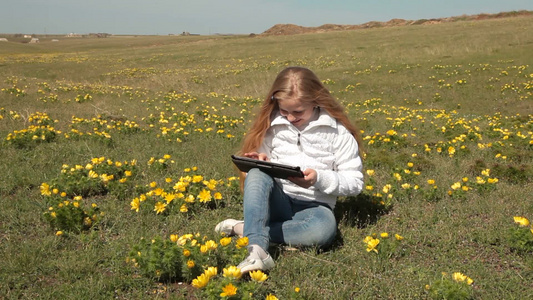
x=99 y=176
x=460 y=277
x=200 y=257
x=183 y=194
x=68 y=214
x=523 y=222
x=374 y=243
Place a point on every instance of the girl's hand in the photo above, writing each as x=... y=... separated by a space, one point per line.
x=258 y=156
x=309 y=179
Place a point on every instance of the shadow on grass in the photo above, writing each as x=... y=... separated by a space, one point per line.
x=359 y=212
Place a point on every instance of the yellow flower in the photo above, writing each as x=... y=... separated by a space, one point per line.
x=431 y=181
x=211 y=272
x=225 y=241
x=460 y=277
x=232 y=272
x=59 y=232
x=297 y=289
x=384 y=235
x=211 y=245
x=190 y=264
x=398 y=237
x=127 y=173
x=492 y=180
x=159 y=191
x=451 y=150
x=372 y=243
x=217 y=196
x=160 y=207
x=184 y=208
x=197 y=178
x=211 y=184
x=45 y=189
x=93 y=174
x=87 y=221
x=106 y=178
x=135 y=204
x=186 y=253
x=367 y=239
x=189 y=199
x=258 y=276
x=170 y=197
x=204 y=196
x=456 y=185
x=523 y=222
x=242 y=242
x=180 y=186
x=228 y=291
x=174 y=238
x=271 y=297
x=200 y=281
x=370 y=172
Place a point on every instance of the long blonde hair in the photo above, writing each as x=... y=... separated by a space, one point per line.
x=303 y=84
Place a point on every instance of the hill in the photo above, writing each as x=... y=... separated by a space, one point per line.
x=289 y=29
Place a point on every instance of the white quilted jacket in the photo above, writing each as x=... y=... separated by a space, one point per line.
x=326 y=146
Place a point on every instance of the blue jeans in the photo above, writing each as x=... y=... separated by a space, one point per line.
x=272 y=216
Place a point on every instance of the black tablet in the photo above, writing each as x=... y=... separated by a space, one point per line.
x=245 y=164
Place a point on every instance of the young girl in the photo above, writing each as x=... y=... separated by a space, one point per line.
x=299 y=124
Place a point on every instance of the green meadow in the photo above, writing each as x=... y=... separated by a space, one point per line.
x=115 y=163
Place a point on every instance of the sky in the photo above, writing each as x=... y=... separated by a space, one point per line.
x=162 y=17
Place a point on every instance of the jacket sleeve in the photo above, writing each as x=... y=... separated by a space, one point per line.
x=347 y=177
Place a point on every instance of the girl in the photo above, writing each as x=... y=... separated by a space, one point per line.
x=299 y=124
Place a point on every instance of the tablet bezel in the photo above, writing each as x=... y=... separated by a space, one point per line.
x=245 y=164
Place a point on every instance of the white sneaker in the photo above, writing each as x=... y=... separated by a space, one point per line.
x=253 y=262
x=226 y=227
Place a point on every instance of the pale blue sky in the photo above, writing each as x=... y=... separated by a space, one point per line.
x=230 y=16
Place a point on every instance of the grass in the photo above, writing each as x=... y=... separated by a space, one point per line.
x=464 y=85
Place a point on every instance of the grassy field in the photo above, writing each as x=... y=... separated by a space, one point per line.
x=114 y=149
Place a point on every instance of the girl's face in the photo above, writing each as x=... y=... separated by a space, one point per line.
x=298 y=113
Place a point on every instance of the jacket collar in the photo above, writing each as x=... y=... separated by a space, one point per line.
x=324 y=119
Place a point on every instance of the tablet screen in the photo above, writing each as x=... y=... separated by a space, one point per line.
x=245 y=164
